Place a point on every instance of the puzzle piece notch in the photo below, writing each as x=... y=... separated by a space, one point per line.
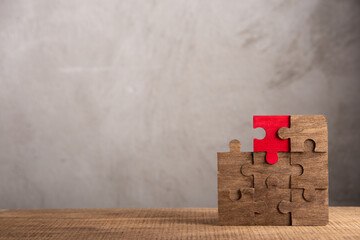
x=271 y=144
x=260 y=170
x=315 y=170
x=235 y=195
x=243 y=211
x=304 y=213
x=229 y=165
x=303 y=127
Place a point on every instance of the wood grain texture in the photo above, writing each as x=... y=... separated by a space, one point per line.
x=188 y=223
x=272 y=185
x=261 y=170
x=303 y=127
x=242 y=211
x=272 y=196
x=307 y=213
x=229 y=165
x=315 y=171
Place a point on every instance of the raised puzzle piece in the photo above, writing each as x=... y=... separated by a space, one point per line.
x=304 y=127
x=271 y=144
x=229 y=165
x=305 y=213
x=239 y=212
x=315 y=170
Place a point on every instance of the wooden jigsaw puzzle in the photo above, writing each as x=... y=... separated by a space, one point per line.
x=284 y=181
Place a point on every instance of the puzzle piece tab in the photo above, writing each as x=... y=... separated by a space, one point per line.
x=271 y=144
x=315 y=170
x=304 y=127
x=239 y=212
x=306 y=213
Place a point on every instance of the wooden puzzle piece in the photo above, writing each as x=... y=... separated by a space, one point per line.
x=229 y=165
x=260 y=170
x=315 y=170
x=303 y=127
x=239 y=212
x=272 y=195
x=271 y=144
x=313 y=213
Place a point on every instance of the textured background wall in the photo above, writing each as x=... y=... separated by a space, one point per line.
x=125 y=103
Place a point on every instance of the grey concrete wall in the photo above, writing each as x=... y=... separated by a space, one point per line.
x=125 y=103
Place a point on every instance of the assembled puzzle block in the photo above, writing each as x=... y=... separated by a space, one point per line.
x=303 y=127
x=282 y=182
x=271 y=144
x=243 y=211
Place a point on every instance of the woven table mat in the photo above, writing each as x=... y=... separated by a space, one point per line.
x=161 y=223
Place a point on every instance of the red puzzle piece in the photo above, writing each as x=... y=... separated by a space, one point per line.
x=271 y=144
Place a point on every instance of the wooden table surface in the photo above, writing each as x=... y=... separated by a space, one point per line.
x=161 y=223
